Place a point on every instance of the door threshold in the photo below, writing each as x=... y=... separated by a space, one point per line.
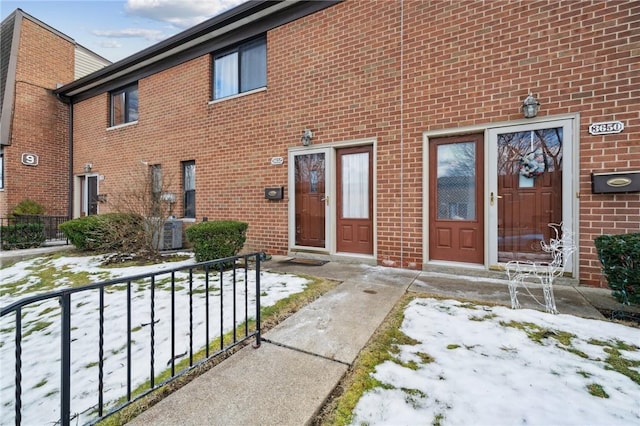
x=463 y=269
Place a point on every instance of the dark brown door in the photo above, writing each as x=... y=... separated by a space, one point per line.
x=310 y=199
x=355 y=200
x=456 y=209
x=92 y=195
x=530 y=190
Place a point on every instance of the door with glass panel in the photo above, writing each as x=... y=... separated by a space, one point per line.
x=311 y=199
x=354 y=228
x=88 y=195
x=529 y=188
x=456 y=209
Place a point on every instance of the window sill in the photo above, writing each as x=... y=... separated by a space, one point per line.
x=239 y=95
x=120 y=126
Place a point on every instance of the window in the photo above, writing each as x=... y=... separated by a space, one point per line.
x=124 y=105
x=189 y=185
x=240 y=69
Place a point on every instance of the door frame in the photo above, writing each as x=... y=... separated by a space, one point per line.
x=571 y=182
x=81 y=194
x=329 y=251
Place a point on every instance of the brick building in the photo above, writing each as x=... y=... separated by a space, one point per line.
x=387 y=132
x=34 y=141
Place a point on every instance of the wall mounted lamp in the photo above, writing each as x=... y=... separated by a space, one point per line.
x=307 y=135
x=88 y=167
x=530 y=106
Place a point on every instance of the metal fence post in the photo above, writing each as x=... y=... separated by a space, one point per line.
x=65 y=368
x=258 y=337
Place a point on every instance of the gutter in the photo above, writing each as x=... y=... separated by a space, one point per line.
x=185 y=44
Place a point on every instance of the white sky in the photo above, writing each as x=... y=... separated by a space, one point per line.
x=116 y=29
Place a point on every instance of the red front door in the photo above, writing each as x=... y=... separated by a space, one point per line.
x=355 y=200
x=310 y=199
x=456 y=209
x=530 y=189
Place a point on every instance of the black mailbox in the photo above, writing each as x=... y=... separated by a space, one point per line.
x=275 y=193
x=613 y=182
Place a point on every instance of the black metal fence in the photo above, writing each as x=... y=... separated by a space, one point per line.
x=25 y=231
x=121 y=339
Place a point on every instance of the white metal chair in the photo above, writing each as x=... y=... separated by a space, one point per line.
x=561 y=248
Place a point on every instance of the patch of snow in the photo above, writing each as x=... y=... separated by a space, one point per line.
x=42 y=331
x=486 y=373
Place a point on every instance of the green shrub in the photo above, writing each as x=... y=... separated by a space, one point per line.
x=22 y=236
x=620 y=258
x=28 y=207
x=110 y=231
x=217 y=239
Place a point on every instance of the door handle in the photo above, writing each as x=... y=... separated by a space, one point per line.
x=492 y=198
x=325 y=199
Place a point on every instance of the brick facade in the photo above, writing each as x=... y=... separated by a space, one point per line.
x=389 y=71
x=40 y=122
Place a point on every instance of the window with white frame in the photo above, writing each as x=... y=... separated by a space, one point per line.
x=124 y=105
x=240 y=69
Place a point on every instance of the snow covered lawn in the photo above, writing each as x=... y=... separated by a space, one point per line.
x=481 y=365
x=41 y=328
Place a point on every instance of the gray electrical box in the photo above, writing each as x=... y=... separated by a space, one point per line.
x=170 y=237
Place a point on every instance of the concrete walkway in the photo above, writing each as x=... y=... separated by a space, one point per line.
x=287 y=380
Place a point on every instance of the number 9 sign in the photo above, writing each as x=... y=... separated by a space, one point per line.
x=29 y=159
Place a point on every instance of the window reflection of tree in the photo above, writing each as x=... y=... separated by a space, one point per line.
x=463 y=162
x=309 y=169
x=512 y=146
x=456 y=181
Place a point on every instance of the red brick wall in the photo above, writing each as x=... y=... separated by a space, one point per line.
x=471 y=63
x=40 y=121
x=338 y=72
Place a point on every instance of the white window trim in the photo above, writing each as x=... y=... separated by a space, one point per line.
x=120 y=126
x=239 y=95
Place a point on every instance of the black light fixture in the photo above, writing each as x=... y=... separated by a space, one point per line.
x=307 y=135
x=530 y=106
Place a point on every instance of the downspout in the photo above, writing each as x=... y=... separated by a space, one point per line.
x=67 y=100
x=402 y=265
x=70 y=199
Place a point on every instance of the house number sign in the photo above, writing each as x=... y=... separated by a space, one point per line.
x=606 y=127
x=29 y=159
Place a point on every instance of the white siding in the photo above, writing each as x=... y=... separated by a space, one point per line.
x=87 y=62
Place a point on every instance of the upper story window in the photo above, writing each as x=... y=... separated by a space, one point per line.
x=240 y=69
x=124 y=105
